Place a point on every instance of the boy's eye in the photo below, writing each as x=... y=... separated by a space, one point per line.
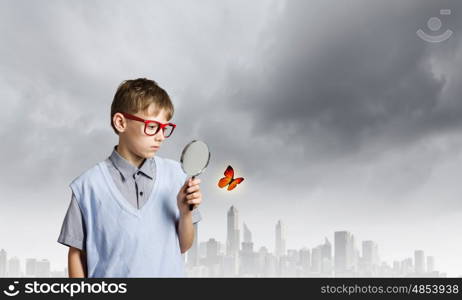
x=151 y=128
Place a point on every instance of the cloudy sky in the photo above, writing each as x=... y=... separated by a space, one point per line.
x=337 y=114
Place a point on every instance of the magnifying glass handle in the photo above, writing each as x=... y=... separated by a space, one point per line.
x=191 y=206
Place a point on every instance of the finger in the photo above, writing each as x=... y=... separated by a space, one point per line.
x=193 y=189
x=196 y=181
x=193 y=195
x=195 y=201
x=193 y=184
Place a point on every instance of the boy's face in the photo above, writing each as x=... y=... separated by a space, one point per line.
x=137 y=141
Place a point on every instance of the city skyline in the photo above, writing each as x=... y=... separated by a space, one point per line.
x=212 y=259
x=338 y=115
x=240 y=260
x=32 y=267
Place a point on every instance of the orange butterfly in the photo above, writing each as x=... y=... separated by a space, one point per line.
x=229 y=179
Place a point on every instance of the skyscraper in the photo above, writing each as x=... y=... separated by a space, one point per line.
x=354 y=254
x=430 y=264
x=247 y=234
x=305 y=260
x=326 y=257
x=31 y=264
x=419 y=262
x=344 y=253
x=316 y=260
x=267 y=263
x=212 y=252
x=370 y=252
x=3 y=259
x=280 y=247
x=407 y=267
x=247 y=245
x=14 y=267
x=326 y=250
x=202 y=250
x=248 y=258
x=232 y=240
x=43 y=268
x=370 y=257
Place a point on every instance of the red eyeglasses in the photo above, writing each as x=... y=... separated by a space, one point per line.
x=152 y=127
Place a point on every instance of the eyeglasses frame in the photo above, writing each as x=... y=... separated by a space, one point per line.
x=147 y=122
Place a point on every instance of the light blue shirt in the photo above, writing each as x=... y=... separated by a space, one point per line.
x=123 y=241
x=134 y=183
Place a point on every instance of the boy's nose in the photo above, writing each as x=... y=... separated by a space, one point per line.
x=160 y=136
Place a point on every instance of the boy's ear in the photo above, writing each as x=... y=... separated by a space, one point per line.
x=119 y=121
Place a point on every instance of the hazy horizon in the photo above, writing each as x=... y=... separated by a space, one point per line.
x=338 y=115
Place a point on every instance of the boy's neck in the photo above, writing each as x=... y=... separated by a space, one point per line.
x=132 y=158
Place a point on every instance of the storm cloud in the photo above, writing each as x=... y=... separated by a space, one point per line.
x=339 y=116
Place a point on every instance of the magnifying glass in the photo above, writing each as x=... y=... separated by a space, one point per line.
x=194 y=159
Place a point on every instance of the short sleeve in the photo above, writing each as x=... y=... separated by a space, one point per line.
x=196 y=215
x=73 y=228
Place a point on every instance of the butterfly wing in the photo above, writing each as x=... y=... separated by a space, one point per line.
x=229 y=174
x=234 y=183
x=224 y=182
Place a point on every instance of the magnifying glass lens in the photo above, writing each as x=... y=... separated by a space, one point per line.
x=194 y=159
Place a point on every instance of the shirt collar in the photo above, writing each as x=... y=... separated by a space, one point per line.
x=127 y=170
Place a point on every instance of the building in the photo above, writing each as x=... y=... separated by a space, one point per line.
x=344 y=253
x=370 y=258
x=280 y=241
x=316 y=260
x=326 y=257
x=14 y=267
x=43 y=268
x=407 y=267
x=248 y=258
x=31 y=266
x=3 y=260
x=430 y=264
x=232 y=240
x=305 y=261
x=419 y=262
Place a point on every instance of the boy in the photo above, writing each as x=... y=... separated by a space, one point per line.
x=129 y=215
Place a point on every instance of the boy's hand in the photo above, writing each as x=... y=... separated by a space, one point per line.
x=190 y=193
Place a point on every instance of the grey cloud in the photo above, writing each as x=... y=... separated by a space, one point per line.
x=62 y=62
x=319 y=104
x=337 y=85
